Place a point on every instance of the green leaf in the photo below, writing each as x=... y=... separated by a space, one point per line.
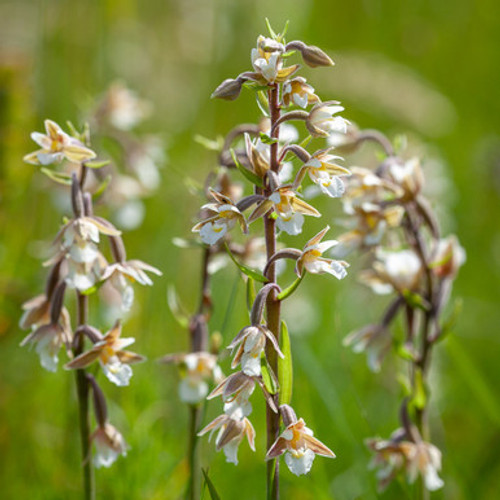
x=253 y=178
x=400 y=143
x=404 y=383
x=289 y=290
x=102 y=187
x=211 y=145
x=270 y=29
x=284 y=32
x=251 y=273
x=262 y=101
x=268 y=376
x=57 y=176
x=306 y=141
x=97 y=164
x=415 y=300
x=290 y=53
x=449 y=324
x=251 y=293
x=266 y=139
x=404 y=352
x=175 y=307
x=285 y=367
x=93 y=289
x=211 y=488
x=419 y=397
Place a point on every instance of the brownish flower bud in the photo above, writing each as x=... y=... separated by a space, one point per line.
x=229 y=89
x=313 y=56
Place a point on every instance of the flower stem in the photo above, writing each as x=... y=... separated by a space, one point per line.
x=272 y=305
x=82 y=388
x=193 y=491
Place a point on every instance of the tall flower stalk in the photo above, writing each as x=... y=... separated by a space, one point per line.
x=79 y=265
x=262 y=348
x=409 y=260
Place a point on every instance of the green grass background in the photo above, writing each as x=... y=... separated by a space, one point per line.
x=429 y=68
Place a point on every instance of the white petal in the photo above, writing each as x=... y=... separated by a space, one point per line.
x=231 y=451
x=250 y=364
x=212 y=232
x=334 y=187
x=192 y=390
x=117 y=372
x=293 y=225
x=432 y=481
x=300 y=464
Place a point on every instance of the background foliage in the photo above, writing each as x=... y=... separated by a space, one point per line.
x=427 y=68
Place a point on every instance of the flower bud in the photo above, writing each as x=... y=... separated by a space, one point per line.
x=313 y=56
x=229 y=89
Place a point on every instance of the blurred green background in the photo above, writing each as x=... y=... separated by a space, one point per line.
x=431 y=69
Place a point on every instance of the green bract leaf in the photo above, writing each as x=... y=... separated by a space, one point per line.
x=251 y=273
x=285 y=367
x=253 y=178
x=262 y=101
x=210 y=144
x=420 y=397
x=306 y=141
x=268 y=376
x=251 y=293
x=270 y=29
x=289 y=290
x=97 y=164
x=415 y=300
x=102 y=187
x=57 y=176
x=175 y=307
x=449 y=324
x=266 y=139
x=211 y=488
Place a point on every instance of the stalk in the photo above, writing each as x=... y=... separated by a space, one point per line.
x=82 y=389
x=272 y=305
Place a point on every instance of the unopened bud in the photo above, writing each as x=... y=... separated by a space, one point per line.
x=229 y=89
x=313 y=56
x=288 y=415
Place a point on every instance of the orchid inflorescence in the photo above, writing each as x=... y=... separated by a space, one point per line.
x=264 y=157
x=78 y=264
x=390 y=219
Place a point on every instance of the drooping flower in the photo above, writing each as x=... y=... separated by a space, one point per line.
x=252 y=342
x=113 y=359
x=324 y=173
x=312 y=261
x=196 y=369
x=407 y=175
x=122 y=274
x=393 y=271
x=235 y=391
x=288 y=207
x=298 y=445
x=373 y=339
x=49 y=338
x=57 y=145
x=400 y=454
x=448 y=257
x=297 y=91
x=231 y=433
x=109 y=445
x=321 y=121
x=222 y=216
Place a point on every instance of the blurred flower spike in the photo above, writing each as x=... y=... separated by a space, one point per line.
x=57 y=145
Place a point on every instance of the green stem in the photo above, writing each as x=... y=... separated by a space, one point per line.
x=272 y=306
x=193 y=492
x=82 y=389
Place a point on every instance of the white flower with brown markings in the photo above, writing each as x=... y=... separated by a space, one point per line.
x=252 y=342
x=290 y=210
x=222 y=216
x=109 y=444
x=113 y=359
x=122 y=274
x=235 y=391
x=231 y=433
x=448 y=257
x=196 y=369
x=57 y=145
x=312 y=261
x=49 y=338
x=321 y=122
x=297 y=91
x=324 y=173
x=299 y=446
x=394 y=271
